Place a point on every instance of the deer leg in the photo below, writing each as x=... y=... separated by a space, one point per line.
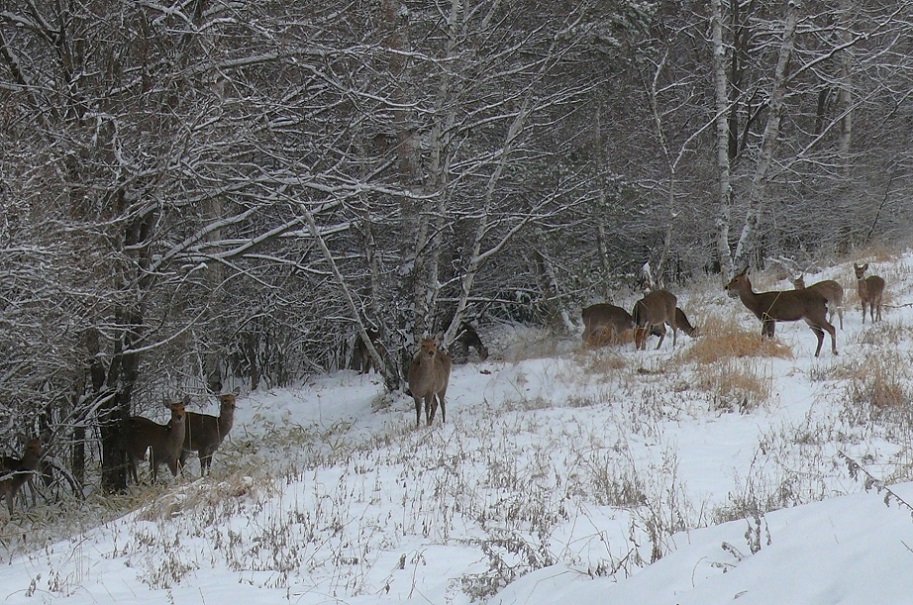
x=662 y=334
x=833 y=334
x=443 y=413
x=430 y=407
x=819 y=333
x=418 y=411
x=206 y=461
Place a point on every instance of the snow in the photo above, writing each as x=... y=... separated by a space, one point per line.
x=558 y=474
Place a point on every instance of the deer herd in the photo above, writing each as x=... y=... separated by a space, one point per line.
x=429 y=371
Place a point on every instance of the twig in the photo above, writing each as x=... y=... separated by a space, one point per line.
x=871 y=482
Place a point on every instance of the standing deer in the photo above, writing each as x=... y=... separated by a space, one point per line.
x=871 y=290
x=204 y=433
x=166 y=440
x=428 y=376
x=12 y=479
x=830 y=290
x=654 y=310
x=788 y=305
x=361 y=359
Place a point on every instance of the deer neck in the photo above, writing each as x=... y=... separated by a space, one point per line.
x=226 y=420
x=30 y=460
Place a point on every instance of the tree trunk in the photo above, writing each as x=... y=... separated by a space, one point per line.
x=748 y=240
x=114 y=410
x=723 y=144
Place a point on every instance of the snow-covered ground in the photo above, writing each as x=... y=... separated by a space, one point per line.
x=559 y=476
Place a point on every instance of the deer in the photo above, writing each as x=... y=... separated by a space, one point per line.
x=603 y=323
x=831 y=290
x=653 y=311
x=682 y=323
x=467 y=337
x=429 y=373
x=871 y=291
x=361 y=360
x=788 y=305
x=12 y=478
x=204 y=433
x=166 y=440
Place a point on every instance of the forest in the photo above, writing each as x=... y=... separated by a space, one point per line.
x=203 y=192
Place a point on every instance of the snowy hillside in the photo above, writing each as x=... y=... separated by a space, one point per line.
x=561 y=476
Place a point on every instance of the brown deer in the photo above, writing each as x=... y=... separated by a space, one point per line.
x=788 y=305
x=428 y=376
x=166 y=440
x=603 y=323
x=467 y=337
x=832 y=291
x=682 y=323
x=361 y=359
x=12 y=479
x=204 y=433
x=654 y=310
x=871 y=290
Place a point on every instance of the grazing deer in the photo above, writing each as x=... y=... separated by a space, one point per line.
x=468 y=337
x=428 y=376
x=682 y=323
x=204 y=433
x=654 y=310
x=871 y=290
x=832 y=291
x=603 y=323
x=12 y=479
x=166 y=440
x=788 y=305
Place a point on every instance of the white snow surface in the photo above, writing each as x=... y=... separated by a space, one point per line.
x=558 y=475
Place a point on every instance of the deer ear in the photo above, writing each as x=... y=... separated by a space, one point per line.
x=186 y=399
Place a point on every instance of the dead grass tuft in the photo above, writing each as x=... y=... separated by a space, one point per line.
x=603 y=362
x=733 y=385
x=723 y=339
x=881 y=381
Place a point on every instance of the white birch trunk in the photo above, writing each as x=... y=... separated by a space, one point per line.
x=721 y=85
x=749 y=235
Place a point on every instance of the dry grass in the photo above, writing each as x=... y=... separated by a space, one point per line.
x=724 y=339
x=733 y=385
x=882 y=381
x=602 y=362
